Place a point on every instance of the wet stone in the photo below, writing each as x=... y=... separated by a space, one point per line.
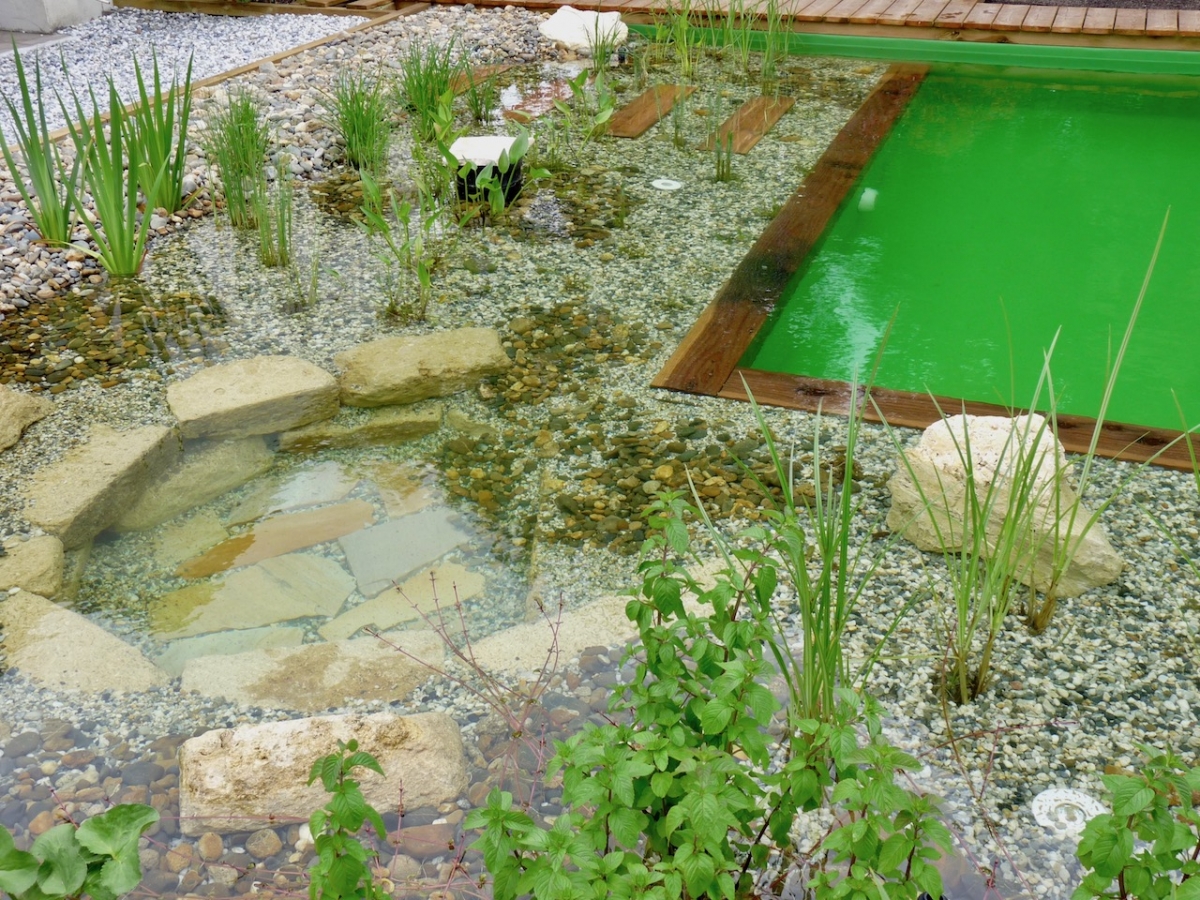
x=143 y=773
x=23 y=744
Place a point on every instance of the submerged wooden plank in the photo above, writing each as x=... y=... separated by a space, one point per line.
x=1099 y=20
x=903 y=408
x=1069 y=20
x=714 y=345
x=925 y=14
x=1130 y=21
x=1011 y=17
x=954 y=14
x=463 y=80
x=1039 y=18
x=636 y=117
x=753 y=119
x=1162 y=22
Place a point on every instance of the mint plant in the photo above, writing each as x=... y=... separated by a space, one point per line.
x=98 y=858
x=1156 y=808
x=343 y=866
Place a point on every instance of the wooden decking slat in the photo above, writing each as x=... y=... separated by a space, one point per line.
x=954 y=14
x=636 y=117
x=463 y=80
x=1011 y=17
x=1099 y=20
x=713 y=346
x=869 y=14
x=368 y=4
x=1039 y=18
x=898 y=12
x=925 y=14
x=322 y=3
x=816 y=11
x=1069 y=20
x=753 y=119
x=1189 y=23
x=1130 y=21
x=844 y=10
x=983 y=15
x=1162 y=22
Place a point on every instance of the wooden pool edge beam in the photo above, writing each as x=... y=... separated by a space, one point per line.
x=712 y=348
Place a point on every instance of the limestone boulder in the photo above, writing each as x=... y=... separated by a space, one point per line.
x=207 y=470
x=93 y=485
x=397 y=370
x=230 y=776
x=35 y=565
x=261 y=395
x=385 y=426
x=60 y=649
x=17 y=412
x=579 y=30
x=1019 y=465
x=314 y=677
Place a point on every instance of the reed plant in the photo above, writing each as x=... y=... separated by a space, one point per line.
x=774 y=45
x=360 y=108
x=237 y=141
x=161 y=119
x=273 y=213
x=723 y=156
x=482 y=96
x=683 y=38
x=52 y=187
x=741 y=33
x=428 y=72
x=113 y=171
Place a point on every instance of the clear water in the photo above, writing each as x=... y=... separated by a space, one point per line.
x=1005 y=209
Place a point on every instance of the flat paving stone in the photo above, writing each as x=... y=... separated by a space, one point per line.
x=390 y=552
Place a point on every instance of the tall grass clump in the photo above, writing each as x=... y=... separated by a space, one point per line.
x=161 y=120
x=273 y=209
x=360 y=108
x=427 y=72
x=237 y=143
x=682 y=37
x=49 y=196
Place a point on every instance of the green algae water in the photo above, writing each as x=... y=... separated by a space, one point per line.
x=999 y=211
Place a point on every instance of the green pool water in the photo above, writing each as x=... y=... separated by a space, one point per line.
x=1009 y=206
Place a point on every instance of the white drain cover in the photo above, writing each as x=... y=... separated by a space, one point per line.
x=1065 y=810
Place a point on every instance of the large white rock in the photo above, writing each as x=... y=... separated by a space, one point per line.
x=232 y=777
x=577 y=29
x=59 y=649
x=17 y=412
x=88 y=489
x=35 y=565
x=208 y=469
x=398 y=370
x=261 y=395
x=999 y=448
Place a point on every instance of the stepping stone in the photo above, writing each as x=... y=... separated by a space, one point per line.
x=60 y=649
x=314 y=677
x=636 y=117
x=399 y=370
x=389 y=552
x=279 y=535
x=189 y=538
x=207 y=470
x=288 y=587
x=325 y=482
x=93 y=485
x=386 y=427
x=419 y=594
x=262 y=395
x=18 y=411
x=403 y=487
x=753 y=119
x=35 y=565
x=221 y=645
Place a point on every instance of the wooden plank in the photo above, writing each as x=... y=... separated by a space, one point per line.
x=925 y=14
x=954 y=14
x=844 y=10
x=1189 y=23
x=1039 y=18
x=237 y=8
x=323 y=3
x=869 y=13
x=1162 y=22
x=636 y=117
x=904 y=408
x=463 y=80
x=537 y=102
x=1069 y=20
x=815 y=12
x=701 y=364
x=1011 y=17
x=753 y=119
x=1130 y=21
x=983 y=15
x=898 y=12
x=1099 y=20
x=369 y=4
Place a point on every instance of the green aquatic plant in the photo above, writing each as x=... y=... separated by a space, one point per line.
x=161 y=119
x=482 y=96
x=273 y=213
x=237 y=142
x=360 y=110
x=774 y=45
x=428 y=73
x=53 y=186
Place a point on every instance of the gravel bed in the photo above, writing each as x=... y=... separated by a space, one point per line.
x=611 y=258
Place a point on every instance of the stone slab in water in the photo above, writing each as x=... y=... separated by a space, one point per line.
x=262 y=395
x=325 y=482
x=279 y=535
x=387 y=553
x=403 y=487
x=18 y=411
x=276 y=590
x=314 y=677
x=207 y=470
x=93 y=485
x=188 y=538
x=35 y=565
x=419 y=594
x=60 y=649
x=385 y=427
x=224 y=644
x=231 y=777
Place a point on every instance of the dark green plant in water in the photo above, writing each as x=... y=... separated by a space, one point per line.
x=427 y=73
x=361 y=110
x=161 y=119
x=343 y=867
x=51 y=202
x=97 y=859
x=237 y=143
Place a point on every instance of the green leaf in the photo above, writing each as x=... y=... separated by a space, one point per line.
x=117 y=830
x=18 y=869
x=1111 y=851
x=699 y=872
x=63 y=867
x=1131 y=797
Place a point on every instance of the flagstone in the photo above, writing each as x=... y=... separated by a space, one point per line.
x=227 y=644
x=419 y=594
x=383 y=554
